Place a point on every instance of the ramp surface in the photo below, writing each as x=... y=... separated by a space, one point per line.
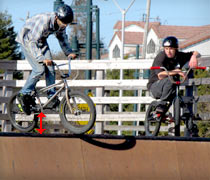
x=28 y=156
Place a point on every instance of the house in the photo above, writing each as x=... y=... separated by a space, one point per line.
x=190 y=38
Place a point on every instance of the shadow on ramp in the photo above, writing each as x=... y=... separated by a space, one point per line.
x=128 y=143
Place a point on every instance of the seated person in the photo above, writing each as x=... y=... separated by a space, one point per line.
x=159 y=85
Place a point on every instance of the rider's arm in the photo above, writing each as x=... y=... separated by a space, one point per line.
x=193 y=60
x=164 y=74
x=63 y=41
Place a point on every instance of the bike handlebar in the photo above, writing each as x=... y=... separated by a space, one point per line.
x=171 y=79
x=69 y=73
x=61 y=73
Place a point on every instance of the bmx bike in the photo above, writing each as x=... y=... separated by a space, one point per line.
x=76 y=110
x=182 y=110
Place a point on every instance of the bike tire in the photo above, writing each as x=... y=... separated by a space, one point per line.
x=152 y=123
x=18 y=118
x=84 y=115
x=177 y=116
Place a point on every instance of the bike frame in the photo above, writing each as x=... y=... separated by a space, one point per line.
x=63 y=87
x=177 y=99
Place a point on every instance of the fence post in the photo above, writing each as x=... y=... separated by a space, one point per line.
x=6 y=92
x=99 y=108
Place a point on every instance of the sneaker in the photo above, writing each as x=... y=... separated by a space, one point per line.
x=54 y=103
x=24 y=101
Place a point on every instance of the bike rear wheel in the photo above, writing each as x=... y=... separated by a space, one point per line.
x=83 y=115
x=18 y=118
x=152 y=120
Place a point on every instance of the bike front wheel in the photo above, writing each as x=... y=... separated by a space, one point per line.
x=81 y=117
x=152 y=120
x=18 y=118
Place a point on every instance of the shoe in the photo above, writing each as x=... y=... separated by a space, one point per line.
x=24 y=103
x=195 y=131
x=54 y=103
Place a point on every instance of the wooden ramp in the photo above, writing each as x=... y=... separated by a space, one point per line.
x=58 y=157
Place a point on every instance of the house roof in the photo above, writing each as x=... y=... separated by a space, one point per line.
x=181 y=32
x=188 y=35
x=130 y=37
x=141 y=24
x=195 y=39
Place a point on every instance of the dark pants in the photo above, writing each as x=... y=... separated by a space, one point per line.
x=163 y=90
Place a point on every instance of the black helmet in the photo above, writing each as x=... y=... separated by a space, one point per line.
x=65 y=14
x=170 y=41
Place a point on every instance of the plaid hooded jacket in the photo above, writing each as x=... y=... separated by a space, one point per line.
x=33 y=36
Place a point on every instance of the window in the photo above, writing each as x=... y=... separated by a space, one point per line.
x=151 y=47
x=116 y=52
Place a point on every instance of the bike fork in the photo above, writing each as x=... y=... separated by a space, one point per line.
x=177 y=116
x=67 y=93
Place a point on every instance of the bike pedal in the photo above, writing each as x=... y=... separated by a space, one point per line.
x=35 y=110
x=171 y=130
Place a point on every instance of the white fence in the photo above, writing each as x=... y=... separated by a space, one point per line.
x=99 y=85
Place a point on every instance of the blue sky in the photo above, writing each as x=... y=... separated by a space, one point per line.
x=170 y=12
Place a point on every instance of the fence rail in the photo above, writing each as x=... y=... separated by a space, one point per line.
x=99 y=85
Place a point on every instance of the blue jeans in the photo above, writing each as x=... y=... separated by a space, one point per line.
x=38 y=69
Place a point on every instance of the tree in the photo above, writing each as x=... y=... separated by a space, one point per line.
x=8 y=45
x=203 y=107
x=79 y=29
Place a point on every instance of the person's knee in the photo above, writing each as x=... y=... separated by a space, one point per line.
x=169 y=84
x=39 y=73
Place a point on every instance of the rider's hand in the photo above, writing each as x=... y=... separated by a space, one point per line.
x=48 y=62
x=72 y=55
x=193 y=60
x=182 y=74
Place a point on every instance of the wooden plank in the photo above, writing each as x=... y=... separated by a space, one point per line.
x=123 y=100
x=134 y=83
x=4 y=99
x=4 y=117
x=204 y=98
x=204 y=61
x=135 y=128
x=94 y=64
x=133 y=116
x=205 y=116
x=198 y=81
x=112 y=116
x=8 y=83
x=8 y=64
x=117 y=100
x=131 y=84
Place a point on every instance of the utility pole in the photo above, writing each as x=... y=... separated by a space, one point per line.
x=123 y=11
x=146 y=30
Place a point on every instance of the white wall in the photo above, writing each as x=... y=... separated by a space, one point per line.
x=134 y=28
x=115 y=41
x=152 y=35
